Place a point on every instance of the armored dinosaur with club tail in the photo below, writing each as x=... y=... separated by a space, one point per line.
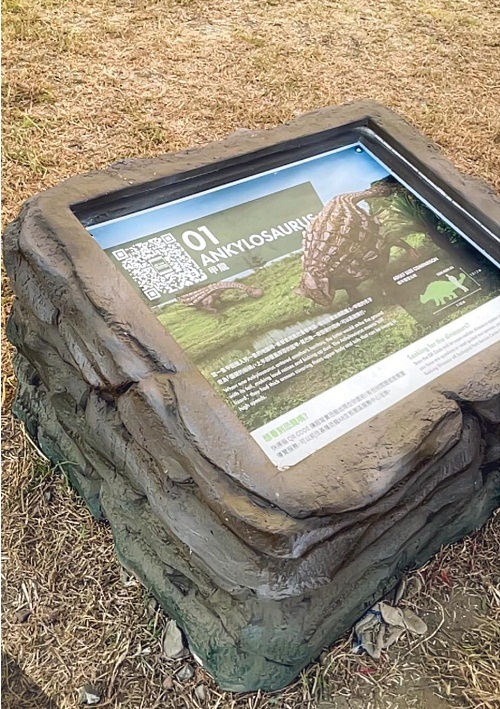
x=208 y=297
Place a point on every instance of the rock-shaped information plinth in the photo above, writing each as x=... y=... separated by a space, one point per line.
x=270 y=363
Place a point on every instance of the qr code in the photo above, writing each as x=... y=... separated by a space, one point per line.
x=160 y=266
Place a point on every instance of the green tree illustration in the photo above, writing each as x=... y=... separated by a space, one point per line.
x=404 y=214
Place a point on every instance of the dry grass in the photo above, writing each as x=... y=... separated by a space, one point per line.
x=86 y=83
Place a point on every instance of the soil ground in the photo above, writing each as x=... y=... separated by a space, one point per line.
x=87 y=83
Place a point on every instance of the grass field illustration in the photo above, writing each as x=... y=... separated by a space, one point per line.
x=241 y=324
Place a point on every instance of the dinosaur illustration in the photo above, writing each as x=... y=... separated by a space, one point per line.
x=441 y=291
x=207 y=297
x=343 y=246
x=458 y=282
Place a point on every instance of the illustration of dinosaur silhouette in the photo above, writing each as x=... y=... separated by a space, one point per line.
x=441 y=291
x=207 y=298
x=343 y=246
x=458 y=282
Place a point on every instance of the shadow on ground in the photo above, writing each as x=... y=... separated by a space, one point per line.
x=18 y=690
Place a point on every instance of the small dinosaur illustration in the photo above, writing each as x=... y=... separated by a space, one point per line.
x=441 y=291
x=207 y=298
x=458 y=282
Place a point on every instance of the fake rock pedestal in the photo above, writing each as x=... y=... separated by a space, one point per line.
x=262 y=567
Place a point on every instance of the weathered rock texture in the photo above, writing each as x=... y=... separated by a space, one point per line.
x=261 y=568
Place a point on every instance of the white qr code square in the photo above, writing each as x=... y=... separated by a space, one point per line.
x=160 y=266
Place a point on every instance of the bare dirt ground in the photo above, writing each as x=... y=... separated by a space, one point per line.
x=88 y=82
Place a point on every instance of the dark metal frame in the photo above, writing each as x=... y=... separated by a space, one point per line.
x=389 y=139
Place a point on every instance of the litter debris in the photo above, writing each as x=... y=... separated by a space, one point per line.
x=400 y=591
x=413 y=586
x=383 y=625
x=152 y=607
x=173 y=642
x=196 y=658
x=185 y=673
x=127 y=579
x=168 y=683
x=22 y=615
x=200 y=692
x=35 y=446
x=414 y=624
x=88 y=695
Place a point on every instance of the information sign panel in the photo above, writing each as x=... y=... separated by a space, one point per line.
x=311 y=296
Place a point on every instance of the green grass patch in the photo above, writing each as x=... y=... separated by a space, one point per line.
x=204 y=334
x=305 y=386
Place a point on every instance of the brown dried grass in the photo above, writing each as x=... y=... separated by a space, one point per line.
x=86 y=83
